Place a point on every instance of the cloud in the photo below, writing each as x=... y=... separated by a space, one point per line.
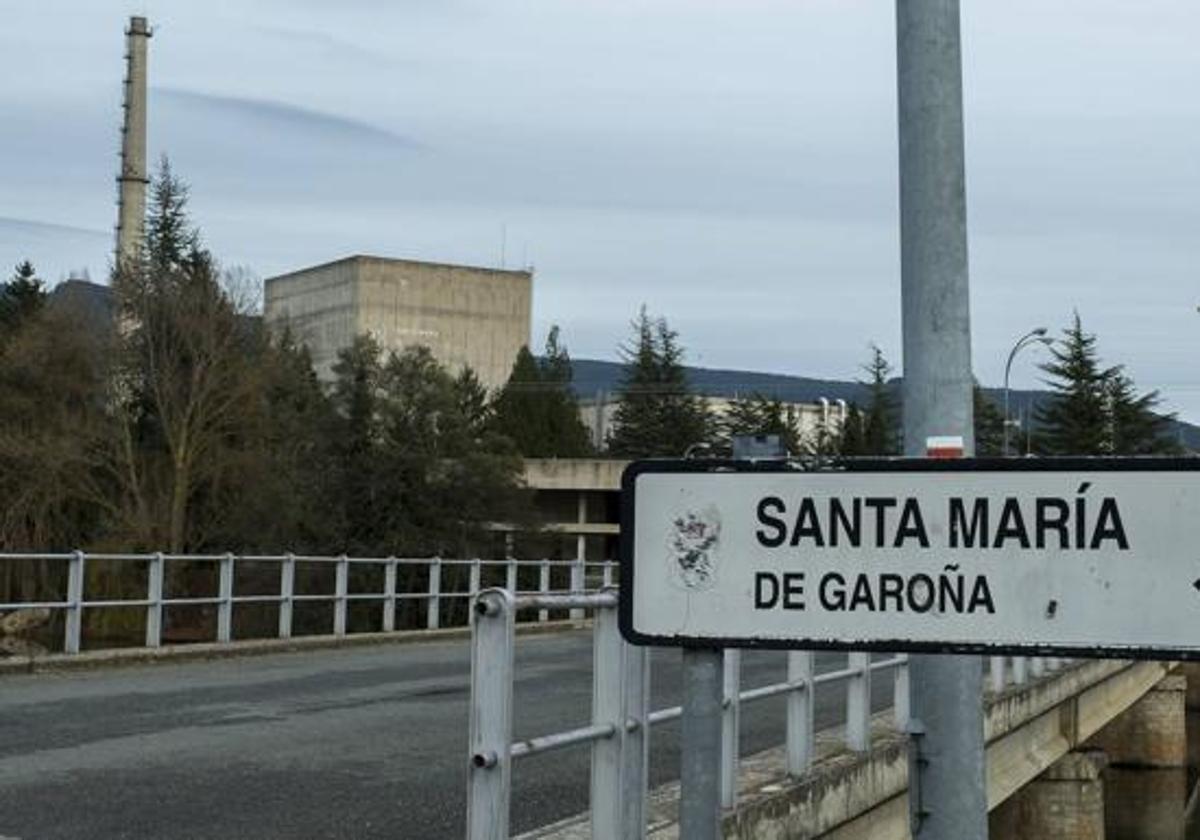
x=32 y=227
x=285 y=117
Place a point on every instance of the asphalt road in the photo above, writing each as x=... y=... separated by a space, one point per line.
x=356 y=743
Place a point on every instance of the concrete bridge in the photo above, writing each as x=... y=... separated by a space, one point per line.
x=368 y=741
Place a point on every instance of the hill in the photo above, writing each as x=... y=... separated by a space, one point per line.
x=592 y=377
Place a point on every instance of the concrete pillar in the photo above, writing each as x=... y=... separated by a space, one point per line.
x=1145 y=803
x=1191 y=672
x=1066 y=802
x=1152 y=732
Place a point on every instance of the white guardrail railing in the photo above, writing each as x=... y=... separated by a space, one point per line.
x=618 y=734
x=570 y=575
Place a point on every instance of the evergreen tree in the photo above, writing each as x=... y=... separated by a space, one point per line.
x=188 y=377
x=658 y=415
x=418 y=470
x=20 y=299
x=758 y=414
x=989 y=425
x=173 y=247
x=851 y=441
x=556 y=361
x=568 y=436
x=880 y=430
x=1075 y=420
x=356 y=397
x=473 y=405
x=536 y=408
x=1134 y=427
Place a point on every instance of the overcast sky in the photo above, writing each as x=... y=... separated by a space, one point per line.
x=729 y=163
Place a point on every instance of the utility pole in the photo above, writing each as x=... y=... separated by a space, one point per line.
x=947 y=792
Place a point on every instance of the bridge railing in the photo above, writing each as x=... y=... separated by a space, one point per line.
x=435 y=589
x=619 y=732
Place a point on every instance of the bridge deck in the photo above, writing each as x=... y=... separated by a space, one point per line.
x=349 y=743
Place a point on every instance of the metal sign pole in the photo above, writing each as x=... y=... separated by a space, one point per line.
x=947 y=793
x=700 y=748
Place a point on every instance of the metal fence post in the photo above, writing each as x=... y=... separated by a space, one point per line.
x=287 y=590
x=154 y=594
x=900 y=695
x=73 y=626
x=433 y=608
x=858 y=703
x=607 y=701
x=996 y=672
x=389 y=595
x=578 y=570
x=607 y=574
x=341 y=586
x=730 y=726
x=800 y=702
x=1020 y=670
x=544 y=586
x=510 y=576
x=489 y=777
x=473 y=583
x=635 y=750
x=225 y=599
x=1037 y=666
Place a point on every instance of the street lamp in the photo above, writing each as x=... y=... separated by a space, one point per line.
x=1032 y=337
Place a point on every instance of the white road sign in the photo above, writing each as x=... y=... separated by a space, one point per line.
x=1080 y=556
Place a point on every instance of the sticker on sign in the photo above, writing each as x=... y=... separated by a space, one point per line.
x=1071 y=556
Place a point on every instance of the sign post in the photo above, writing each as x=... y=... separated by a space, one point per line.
x=700 y=744
x=948 y=790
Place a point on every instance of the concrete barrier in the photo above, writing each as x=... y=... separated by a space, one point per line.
x=850 y=796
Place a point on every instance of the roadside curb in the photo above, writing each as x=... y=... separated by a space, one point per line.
x=90 y=660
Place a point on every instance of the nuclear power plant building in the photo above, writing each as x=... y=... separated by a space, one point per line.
x=476 y=317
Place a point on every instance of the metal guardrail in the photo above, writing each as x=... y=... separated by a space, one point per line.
x=618 y=734
x=226 y=599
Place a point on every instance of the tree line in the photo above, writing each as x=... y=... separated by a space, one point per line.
x=1090 y=410
x=184 y=424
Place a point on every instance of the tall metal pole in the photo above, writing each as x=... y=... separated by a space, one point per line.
x=1038 y=334
x=947 y=794
x=700 y=747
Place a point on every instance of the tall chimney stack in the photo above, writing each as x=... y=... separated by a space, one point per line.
x=133 y=178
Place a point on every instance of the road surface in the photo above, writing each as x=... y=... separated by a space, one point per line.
x=355 y=743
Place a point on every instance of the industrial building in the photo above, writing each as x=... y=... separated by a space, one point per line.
x=810 y=419
x=469 y=317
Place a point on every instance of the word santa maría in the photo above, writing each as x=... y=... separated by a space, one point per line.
x=1077 y=523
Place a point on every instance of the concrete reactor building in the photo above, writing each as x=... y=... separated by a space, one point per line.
x=476 y=317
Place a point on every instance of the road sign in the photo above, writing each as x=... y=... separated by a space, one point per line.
x=1060 y=556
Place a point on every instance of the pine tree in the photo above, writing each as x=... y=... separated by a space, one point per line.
x=989 y=425
x=172 y=242
x=658 y=415
x=851 y=442
x=20 y=298
x=880 y=429
x=536 y=408
x=518 y=410
x=759 y=414
x=556 y=361
x=1134 y=428
x=1075 y=420
x=473 y=404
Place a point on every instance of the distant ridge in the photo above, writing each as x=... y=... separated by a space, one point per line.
x=592 y=377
